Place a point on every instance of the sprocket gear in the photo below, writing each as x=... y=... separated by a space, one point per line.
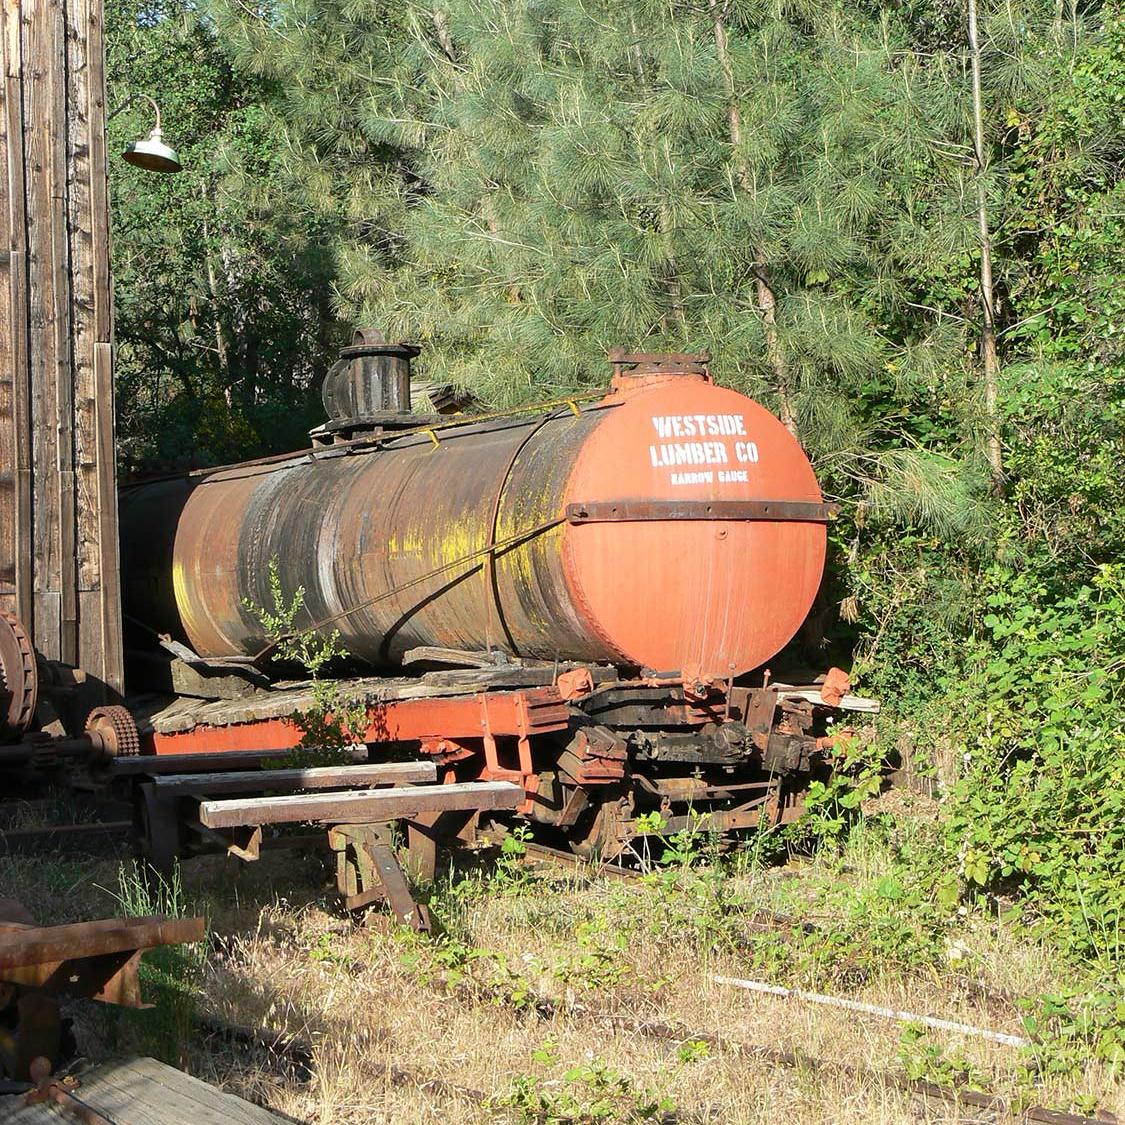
x=19 y=673
x=113 y=731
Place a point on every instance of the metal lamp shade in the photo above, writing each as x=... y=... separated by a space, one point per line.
x=152 y=154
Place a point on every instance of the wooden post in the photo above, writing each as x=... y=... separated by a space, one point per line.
x=58 y=494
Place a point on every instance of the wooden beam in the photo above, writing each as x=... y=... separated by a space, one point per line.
x=41 y=121
x=17 y=356
x=362 y=808
x=105 y=497
x=8 y=374
x=58 y=498
x=320 y=777
x=112 y=654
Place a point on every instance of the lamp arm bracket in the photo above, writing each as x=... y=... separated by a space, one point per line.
x=129 y=101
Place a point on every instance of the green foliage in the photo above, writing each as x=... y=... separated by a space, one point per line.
x=1070 y=1027
x=170 y=975
x=924 y=1060
x=222 y=293
x=592 y=963
x=290 y=644
x=520 y=188
x=832 y=805
x=1041 y=800
x=588 y=1093
x=334 y=723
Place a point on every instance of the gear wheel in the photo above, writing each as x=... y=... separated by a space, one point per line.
x=113 y=731
x=20 y=676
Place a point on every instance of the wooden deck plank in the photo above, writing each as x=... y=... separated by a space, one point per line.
x=321 y=777
x=361 y=808
x=145 y=1092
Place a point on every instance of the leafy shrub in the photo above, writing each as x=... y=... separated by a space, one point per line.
x=1040 y=805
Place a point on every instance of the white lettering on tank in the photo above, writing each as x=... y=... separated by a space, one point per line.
x=699 y=425
x=688 y=453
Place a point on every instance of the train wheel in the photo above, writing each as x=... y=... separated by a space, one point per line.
x=596 y=833
x=20 y=676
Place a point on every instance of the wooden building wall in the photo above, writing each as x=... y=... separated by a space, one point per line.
x=58 y=499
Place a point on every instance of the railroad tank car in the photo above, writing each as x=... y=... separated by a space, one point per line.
x=672 y=525
x=628 y=562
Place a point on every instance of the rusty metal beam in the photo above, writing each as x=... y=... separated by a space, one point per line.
x=621 y=511
x=520 y=713
x=153 y=764
x=23 y=947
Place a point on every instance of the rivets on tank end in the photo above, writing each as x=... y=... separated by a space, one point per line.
x=721 y=533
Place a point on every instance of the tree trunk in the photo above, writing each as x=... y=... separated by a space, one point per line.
x=764 y=292
x=989 y=354
x=441 y=31
x=222 y=349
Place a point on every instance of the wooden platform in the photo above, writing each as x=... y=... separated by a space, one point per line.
x=142 y=1092
x=171 y=716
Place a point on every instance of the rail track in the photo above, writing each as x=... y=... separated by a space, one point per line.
x=301 y=1053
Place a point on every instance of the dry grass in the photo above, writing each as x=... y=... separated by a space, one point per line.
x=520 y=988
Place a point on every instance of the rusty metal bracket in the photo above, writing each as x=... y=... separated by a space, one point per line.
x=94 y=960
x=97 y=960
x=59 y=1092
x=620 y=511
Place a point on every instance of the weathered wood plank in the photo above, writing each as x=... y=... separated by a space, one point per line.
x=40 y=114
x=8 y=374
x=58 y=503
x=99 y=190
x=144 y=1092
x=112 y=669
x=112 y=650
x=18 y=291
x=147 y=1092
x=62 y=371
x=79 y=218
x=481 y=679
x=319 y=777
x=361 y=808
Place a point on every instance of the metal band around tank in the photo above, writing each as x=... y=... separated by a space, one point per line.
x=620 y=511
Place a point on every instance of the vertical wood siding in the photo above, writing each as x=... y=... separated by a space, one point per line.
x=58 y=502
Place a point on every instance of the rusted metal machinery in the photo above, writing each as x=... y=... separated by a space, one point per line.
x=94 y=960
x=602 y=574
x=569 y=609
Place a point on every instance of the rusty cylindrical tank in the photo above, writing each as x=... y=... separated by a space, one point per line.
x=674 y=526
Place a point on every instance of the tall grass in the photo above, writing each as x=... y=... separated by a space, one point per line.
x=170 y=974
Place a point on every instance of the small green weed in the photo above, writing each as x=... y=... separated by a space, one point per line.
x=587 y=1094
x=924 y=1060
x=334 y=723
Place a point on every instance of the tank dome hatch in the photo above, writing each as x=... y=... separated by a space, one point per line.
x=367 y=390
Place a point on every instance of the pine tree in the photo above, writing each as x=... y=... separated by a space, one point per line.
x=519 y=187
